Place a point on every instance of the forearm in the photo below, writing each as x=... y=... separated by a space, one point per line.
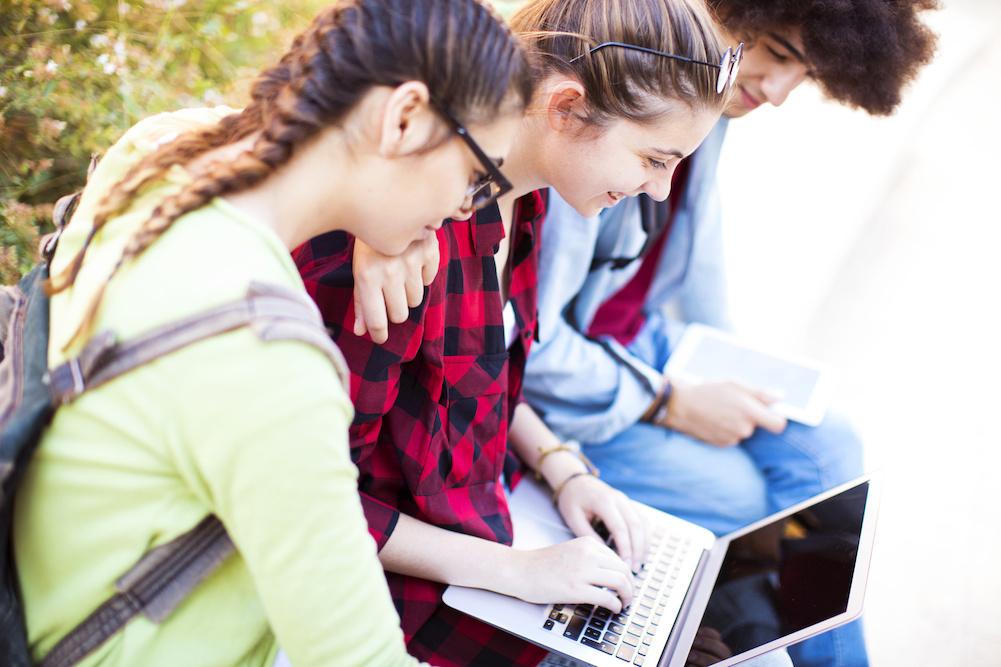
x=422 y=550
x=580 y=496
x=582 y=570
x=530 y=439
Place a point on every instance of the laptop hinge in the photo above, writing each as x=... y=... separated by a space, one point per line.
x=686 y=607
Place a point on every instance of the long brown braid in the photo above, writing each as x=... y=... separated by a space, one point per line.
x=461 y=49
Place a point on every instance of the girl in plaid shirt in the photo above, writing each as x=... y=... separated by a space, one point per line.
x=439 y=414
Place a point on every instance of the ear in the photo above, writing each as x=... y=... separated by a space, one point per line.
x=565 y=103
x=408 y=121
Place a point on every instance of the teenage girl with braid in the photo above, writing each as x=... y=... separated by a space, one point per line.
x=355 y=129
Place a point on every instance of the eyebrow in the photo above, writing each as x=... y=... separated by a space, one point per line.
x=796 y=53
x=674 y=152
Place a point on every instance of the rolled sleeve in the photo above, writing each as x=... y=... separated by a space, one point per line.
x=381 y=518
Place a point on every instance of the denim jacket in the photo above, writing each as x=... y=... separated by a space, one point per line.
x=591 y=390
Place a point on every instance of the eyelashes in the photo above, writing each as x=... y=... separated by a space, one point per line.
x=781 y=57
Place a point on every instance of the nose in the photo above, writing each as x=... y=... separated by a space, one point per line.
x=659 y=188
x=781 y=81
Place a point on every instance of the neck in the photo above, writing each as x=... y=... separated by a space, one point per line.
x=286 y=200
x=525 y=164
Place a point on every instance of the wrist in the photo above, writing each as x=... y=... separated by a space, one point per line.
x=559 y=461
x=659 y=410
x=558 y=489
x=652 y=408
x=498 y=568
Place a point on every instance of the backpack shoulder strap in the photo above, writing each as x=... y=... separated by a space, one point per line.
x=273 y=312
x=168 y=574
x=153 y=587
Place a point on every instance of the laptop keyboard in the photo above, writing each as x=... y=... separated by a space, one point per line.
x=628 y=634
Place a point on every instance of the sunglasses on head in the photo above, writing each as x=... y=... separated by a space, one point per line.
x=728 y=64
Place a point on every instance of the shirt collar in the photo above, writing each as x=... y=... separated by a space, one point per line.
x=488 y=230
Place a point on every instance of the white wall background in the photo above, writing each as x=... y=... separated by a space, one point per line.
x=873 y=244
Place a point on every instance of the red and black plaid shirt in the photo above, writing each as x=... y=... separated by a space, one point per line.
x=432 y=407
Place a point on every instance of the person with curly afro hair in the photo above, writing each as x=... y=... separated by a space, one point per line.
x=616 y=292
x=862 y=53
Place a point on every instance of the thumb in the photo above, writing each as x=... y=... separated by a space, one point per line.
x=765 y=417
x=762 y=414
x=768 y=396
x=578 y=523
x=432 y=257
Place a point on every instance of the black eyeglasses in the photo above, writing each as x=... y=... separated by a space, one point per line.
x=491 y=185
x=728 y=64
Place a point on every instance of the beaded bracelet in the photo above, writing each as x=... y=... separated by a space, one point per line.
x=556 y=492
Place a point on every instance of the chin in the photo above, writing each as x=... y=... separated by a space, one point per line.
x=736 y=111
x=390 y=247
x=589 y=208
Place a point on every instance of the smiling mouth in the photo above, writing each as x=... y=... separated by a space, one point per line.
x=749 y=102
x=616 y=196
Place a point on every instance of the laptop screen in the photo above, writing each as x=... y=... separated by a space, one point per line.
x=789 y=574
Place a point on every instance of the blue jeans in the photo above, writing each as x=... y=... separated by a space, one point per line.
x=725 y=489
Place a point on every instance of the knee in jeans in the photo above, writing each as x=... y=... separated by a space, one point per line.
x=744 y=501
x=837 y=447
x=748 y=510
x=848 y=450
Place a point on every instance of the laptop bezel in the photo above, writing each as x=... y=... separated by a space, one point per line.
x=698 y=598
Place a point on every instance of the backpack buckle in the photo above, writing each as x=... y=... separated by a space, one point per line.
x=65 y=382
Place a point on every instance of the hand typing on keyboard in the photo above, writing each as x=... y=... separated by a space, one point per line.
x=586 y=501
x=582 y=570
x=628 y=633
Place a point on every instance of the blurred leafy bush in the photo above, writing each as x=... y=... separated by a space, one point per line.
x=75 y=75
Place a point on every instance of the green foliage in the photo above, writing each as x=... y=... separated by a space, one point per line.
x=75 y=76
x=506 y=7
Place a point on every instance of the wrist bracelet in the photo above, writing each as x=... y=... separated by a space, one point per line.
x=659 y=412
x=562 y=447
x=571 y=446
x=556 y=492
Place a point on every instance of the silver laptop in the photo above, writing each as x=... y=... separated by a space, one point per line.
x=776 y=582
